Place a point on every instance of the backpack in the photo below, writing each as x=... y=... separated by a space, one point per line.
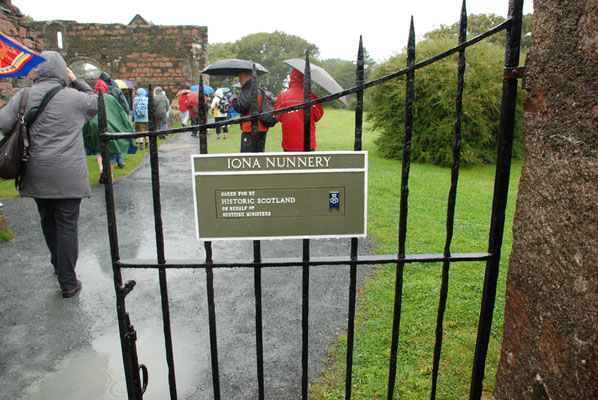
x=14 y=148
x=140 y=106
x=268 y=102
x=223 y=106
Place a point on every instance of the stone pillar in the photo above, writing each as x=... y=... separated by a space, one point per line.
x=550 y=345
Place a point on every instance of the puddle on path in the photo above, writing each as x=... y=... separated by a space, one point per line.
x=97 y=373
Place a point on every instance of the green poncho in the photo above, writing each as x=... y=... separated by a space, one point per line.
x=118 y=121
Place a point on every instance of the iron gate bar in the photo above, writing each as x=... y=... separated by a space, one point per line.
x=499 y=202
x=450 y=217
x=127 y=332
x=359 y=73
x=158 y=228
x=213 y=337
x=203 y=149
x=406 y=162
x=254 y=111
x=305 y=284
x=203 y=139
x=304 y=319
x=259 y=337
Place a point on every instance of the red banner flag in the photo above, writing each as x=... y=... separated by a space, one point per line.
x=16 y=59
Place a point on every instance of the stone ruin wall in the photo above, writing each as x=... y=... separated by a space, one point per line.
x=167 y=56
x=12 y=24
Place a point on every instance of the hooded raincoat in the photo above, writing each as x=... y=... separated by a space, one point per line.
x=115 y=91
x=117 y=121
x=292 y=122
x=57 y=167
x=140 y=106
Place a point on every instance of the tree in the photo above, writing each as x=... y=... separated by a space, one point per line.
x=435 y=88
x=343 y=72
x=480 y=23
x=268 y=49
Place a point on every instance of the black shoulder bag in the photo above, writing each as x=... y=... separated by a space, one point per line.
x=14 y=149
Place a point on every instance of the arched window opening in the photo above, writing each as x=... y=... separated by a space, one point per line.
x=59 y=39
x=86 y=70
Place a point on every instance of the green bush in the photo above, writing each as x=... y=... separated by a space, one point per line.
x=435 y=93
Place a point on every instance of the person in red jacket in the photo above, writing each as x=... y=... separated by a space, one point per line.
x=183 y=107
x=191 y=102
x=292 y=122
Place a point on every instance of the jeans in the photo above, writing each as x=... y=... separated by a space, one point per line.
x=59 y=220
x=224 y=128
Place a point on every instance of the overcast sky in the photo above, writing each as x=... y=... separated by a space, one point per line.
x=334 y=26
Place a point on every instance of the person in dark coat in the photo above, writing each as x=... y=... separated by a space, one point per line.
x=242 y=105
x=292 y=122
x=115 y=91
x=56 y=173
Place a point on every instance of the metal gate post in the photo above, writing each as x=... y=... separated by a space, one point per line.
x=128 y=336
x=501 y=191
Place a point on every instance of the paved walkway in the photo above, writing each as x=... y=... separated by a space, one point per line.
x=55 y=348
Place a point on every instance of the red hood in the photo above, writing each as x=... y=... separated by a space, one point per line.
x=296 y=78
x=100 y=84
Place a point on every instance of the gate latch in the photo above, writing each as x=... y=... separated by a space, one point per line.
x=514 y=72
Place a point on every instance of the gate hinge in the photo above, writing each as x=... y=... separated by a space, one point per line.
x=514 y=72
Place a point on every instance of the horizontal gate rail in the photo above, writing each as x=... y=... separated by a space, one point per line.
x=314 y=261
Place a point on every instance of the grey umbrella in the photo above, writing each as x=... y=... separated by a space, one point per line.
x=233 y=66
x=320 y=76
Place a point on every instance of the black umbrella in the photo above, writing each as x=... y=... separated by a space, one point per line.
x=232 y=67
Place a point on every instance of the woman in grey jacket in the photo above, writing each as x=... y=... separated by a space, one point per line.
x=56 y=173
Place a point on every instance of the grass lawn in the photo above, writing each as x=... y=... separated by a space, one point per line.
x=429 y=186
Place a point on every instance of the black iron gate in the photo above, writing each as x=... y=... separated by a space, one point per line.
x=137 y=375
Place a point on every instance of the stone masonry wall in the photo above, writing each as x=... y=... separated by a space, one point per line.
x=167 y=56
x=12 y=25
x=550 y=345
